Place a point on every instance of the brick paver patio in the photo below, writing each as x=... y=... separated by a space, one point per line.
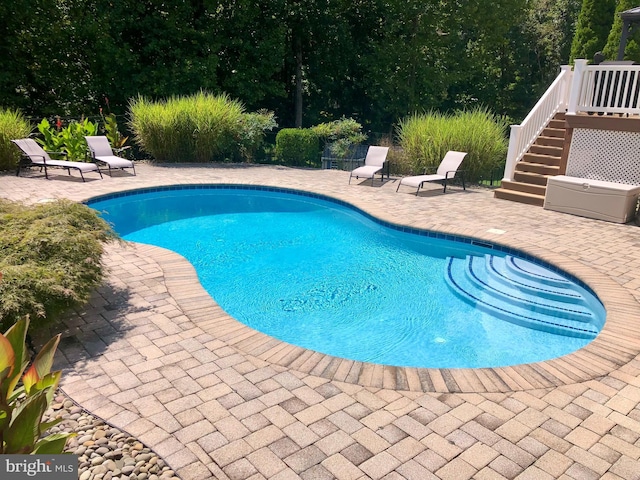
x=152 y=354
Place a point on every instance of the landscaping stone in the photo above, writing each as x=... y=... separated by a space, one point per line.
x=104 y=452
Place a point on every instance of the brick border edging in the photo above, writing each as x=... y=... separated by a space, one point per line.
x=617 y=344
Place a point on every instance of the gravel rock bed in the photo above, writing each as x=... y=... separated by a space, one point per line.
x=104 y=452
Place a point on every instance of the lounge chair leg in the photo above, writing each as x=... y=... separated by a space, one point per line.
x=445 y=186
x=462 y=178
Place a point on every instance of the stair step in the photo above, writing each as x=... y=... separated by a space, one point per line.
x=537 y=168
x=557 y=303
x=466 y=278
x=551 y=141
x=541 y=159
x=540 y=282
x=524 y=187
x=530 y=271
x=521 y=197
x=531 y=177
x=546 y=150
x=560 y=116
x=554 y=132
x=556 y=123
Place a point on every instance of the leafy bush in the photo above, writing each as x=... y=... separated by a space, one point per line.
x=51 y=258
x=252 y=131
x=112 y=133
x=13 y=125
x=341 y=135
x=22 y=408
x=426 y=138
x=297 y=147
x=198 y=128
x=69 y=139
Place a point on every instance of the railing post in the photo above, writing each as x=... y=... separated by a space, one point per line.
x=576 y=82
x=567 y=71
x=512 y=154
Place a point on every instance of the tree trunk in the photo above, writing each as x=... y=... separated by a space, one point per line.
x=298 y=99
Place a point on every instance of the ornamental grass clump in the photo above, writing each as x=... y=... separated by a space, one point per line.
x=51 y=259
x=13 y=126
x=197 y=128
x=426 y=138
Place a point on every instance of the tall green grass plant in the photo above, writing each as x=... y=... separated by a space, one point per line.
x=426 y=138
x=13 y=125
x=197 y=128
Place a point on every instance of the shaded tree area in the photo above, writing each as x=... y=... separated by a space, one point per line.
x=593 y=27
x=310 y=61
x=632 y=47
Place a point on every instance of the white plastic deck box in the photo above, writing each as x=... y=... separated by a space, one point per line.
x=614 y=202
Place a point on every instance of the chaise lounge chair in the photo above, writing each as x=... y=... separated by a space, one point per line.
x=373 y=163
x=102 y=153
x=35 y=156
x=446 y=171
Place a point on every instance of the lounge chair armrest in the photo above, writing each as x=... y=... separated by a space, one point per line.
x=454 y=173
x=121 y=149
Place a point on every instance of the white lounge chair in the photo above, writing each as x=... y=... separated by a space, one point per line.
x=446 y=171
x=373 y=163
x=101 y=152
x=35 y=156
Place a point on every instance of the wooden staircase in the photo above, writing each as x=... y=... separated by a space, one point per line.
x=541 y=161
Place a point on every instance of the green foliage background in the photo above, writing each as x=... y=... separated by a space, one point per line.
x=375 y=61
x=632 y=48
x=593 y=27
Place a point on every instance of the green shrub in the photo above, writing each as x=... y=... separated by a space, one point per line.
x=253 y=127
x=51 y=258
x=426 y=138
x=341 y=135
x=298 y=147
x=13 y=125
x=198 y=128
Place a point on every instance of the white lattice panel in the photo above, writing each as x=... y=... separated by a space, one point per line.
x=605 y=155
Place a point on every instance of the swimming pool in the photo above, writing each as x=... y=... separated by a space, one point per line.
x=322 y=275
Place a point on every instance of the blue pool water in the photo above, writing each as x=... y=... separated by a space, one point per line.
x=321 y=275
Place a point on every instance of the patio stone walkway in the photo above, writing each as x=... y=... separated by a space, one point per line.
x=153 y=355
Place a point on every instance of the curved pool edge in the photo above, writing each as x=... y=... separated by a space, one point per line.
x=616 y=345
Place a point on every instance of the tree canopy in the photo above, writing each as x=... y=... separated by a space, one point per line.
x=309 y=61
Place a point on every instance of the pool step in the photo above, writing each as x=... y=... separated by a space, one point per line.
x=526 y=294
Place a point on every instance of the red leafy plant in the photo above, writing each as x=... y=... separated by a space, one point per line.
x=24 y=398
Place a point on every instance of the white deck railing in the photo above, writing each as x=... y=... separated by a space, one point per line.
x=555 y=99
x=608 y=89
x=604 y=89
